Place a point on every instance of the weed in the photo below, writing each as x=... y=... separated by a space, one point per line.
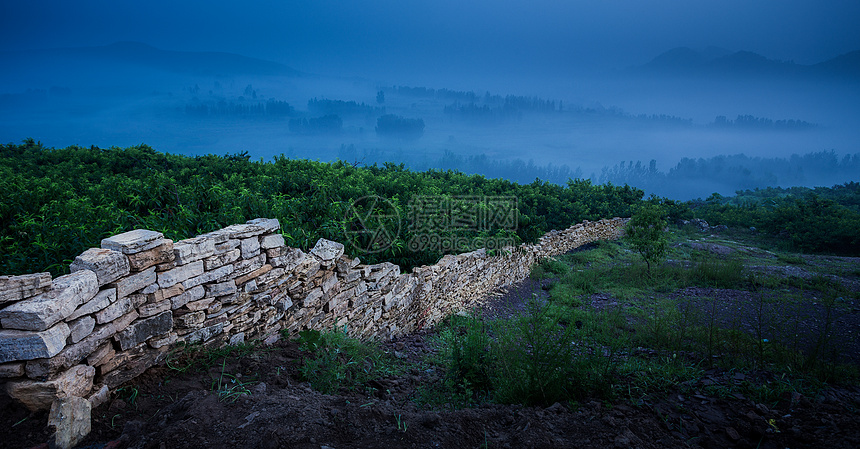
x=792 y=259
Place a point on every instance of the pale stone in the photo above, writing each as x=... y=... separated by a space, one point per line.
x=209 y=276
x=115 y=310
x=193 y=249
x=237 y=339
x=41 y=312
x=246 y=266
x=143 y=330
x=291 y=259
x=219 y=260
x=160 y=254
x=218 y=237
x=70 y=418
x=101 y=354
x=107 y=264
x=125 y=320
x=71 y=355
x=176 y=275
x=101 y=396
x=327 y=250
x=250 y=247
x=132 y=242
x=153 y=308
x=256 y=273
x=189 y=295
x=205 y=334
x=81 y=328
x=16 y=288
x=162 y=341
x=313 y=297
x=252 y=228
x=26 y=345
x=271 y=241
x=37 y=396
x=101 y=300
x=191 y=320
x=229 y=245
x=135 y=282
x=329 y=281
x=221 y=289
x=150 y=289
x=166 y=293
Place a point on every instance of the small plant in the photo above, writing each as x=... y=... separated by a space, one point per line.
x=337 y=361
x=229 y=387
x=646 y=233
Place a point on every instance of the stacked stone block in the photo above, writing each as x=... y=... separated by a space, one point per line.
x=65 y=342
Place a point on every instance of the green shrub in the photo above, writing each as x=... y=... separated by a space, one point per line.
x=339 y=362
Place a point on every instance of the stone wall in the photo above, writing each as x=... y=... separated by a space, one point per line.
x=124 y=305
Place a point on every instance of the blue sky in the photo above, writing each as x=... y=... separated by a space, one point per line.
x=373 y=37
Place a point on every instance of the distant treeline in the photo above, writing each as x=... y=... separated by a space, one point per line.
x=440 y=94
x=701 y=177
x=223 y=108
x=752 y=122
x=327 y=124
x=391 y=125
x=342 y=108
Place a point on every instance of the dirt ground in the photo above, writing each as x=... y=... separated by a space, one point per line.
x=166 y=408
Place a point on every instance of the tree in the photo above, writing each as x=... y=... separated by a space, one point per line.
x=646 y=233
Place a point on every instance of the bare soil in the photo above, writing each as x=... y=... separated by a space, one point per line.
x=166 y=408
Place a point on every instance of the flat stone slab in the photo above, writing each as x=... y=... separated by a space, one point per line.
x=133 y=242
x=36 y=396
x=108 y=265
x=16 y=288
x=43 y=311
x=142 y=330
x=327 y=249
x=27 y=345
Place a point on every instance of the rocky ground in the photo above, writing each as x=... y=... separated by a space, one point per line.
x=264 y=404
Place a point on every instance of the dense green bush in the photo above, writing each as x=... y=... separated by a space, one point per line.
x=56 y=203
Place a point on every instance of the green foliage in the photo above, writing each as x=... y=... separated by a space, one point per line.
x=548 y=268
x=645 y=233
x=339 y=362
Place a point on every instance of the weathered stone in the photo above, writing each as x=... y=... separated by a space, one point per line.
x=101 y=300
x=101 y=354
x=313 y=297
x=252 y=228
x=229 y=245
x=166 y=293
x=160 y=254
x=130 y=364
x=191 y=320
x=190 y=250
x=176 y=275
x=219 y=260
x=203 y=304
x=81 y=328
x=142 y=330
x=26 y=345
x=149 y=289
x=218 y=237
x=250 y=247
x=162 y=341
x=290 y=259
x=125 y=320
x=205 y=334
x=41 y=312
x=135 y=282
x=107 y=264
x=190 y=295
x=133 y=242
x=209 y=276
x=237 y=339
x=121 y=307
x=153 y=308
x=329 y=281
x=17 y=288
x=308 y=268
x=72 y=355
x=8 y=370
x=101 y=396
x=327 y=250
x=259 y=271
x=70 y=418
x=271 y=241
x=221 y=289
x=37 y=396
